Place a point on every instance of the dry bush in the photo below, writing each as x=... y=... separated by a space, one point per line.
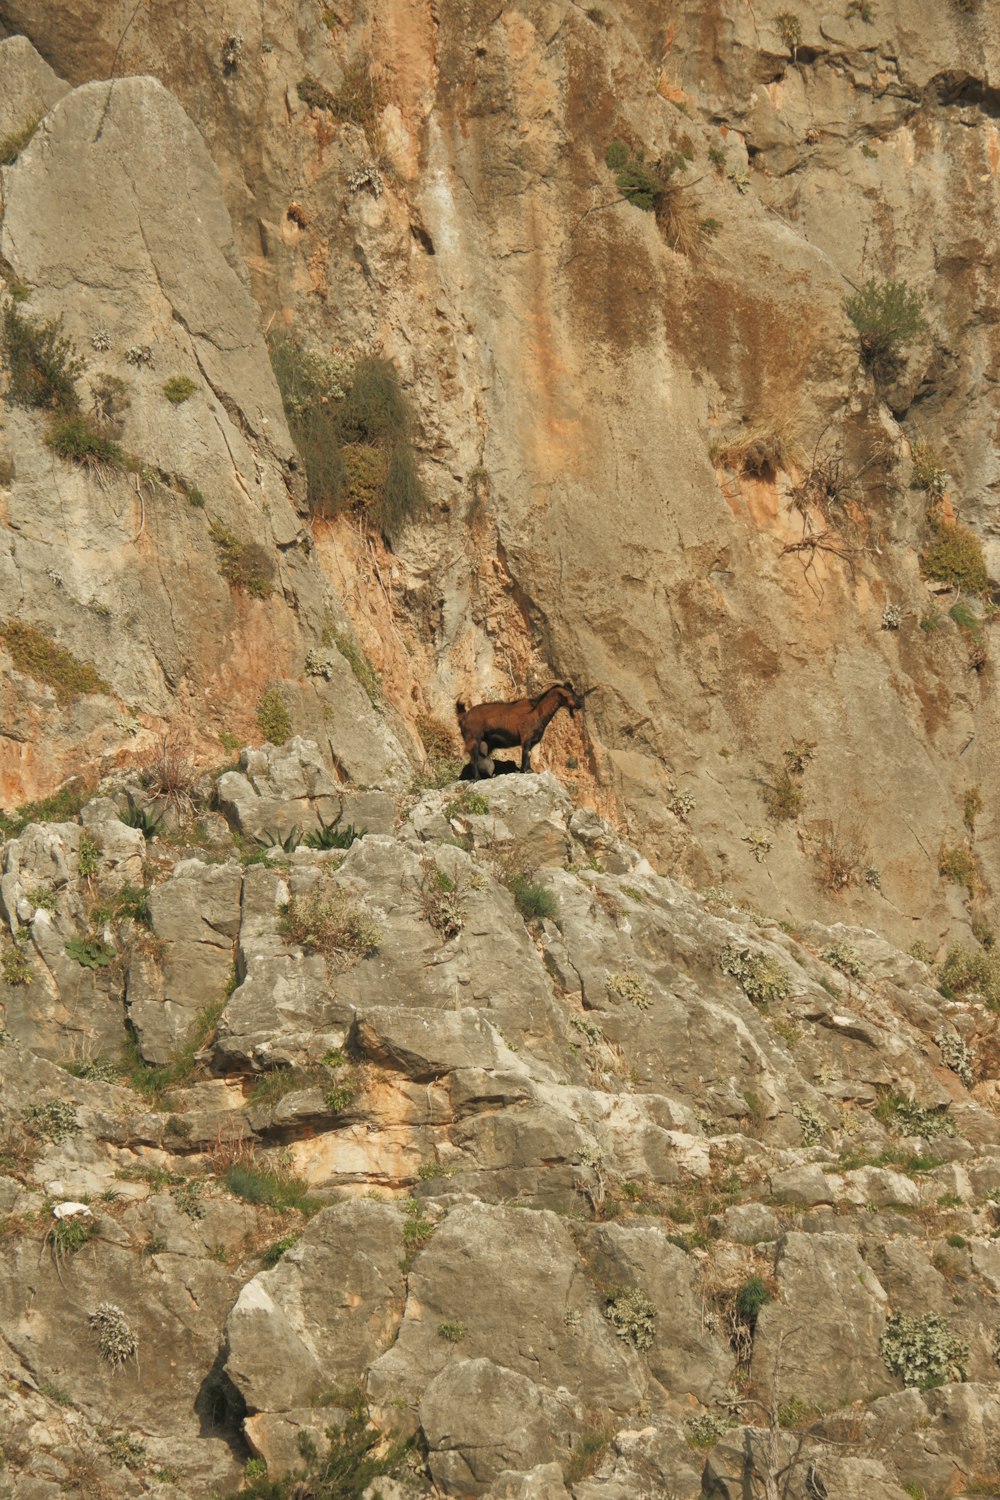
x=680 y=221
x=760 y=450
x=842 y=858
x=18 y=1151
x=170 y=776
x=325 y=921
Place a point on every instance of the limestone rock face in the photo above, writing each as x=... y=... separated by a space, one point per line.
x=407 y=1176
x=585 y=1135
x=113 y=218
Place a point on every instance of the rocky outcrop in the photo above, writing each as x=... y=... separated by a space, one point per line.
x=522 y=1152
x=113 y=220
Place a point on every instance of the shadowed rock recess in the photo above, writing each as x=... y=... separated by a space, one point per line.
x=627 y=1131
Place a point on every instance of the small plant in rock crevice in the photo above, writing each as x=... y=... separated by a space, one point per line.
x=179 y=388
x=125 y=1451
x=928 y=474
x=968 y=971
x=56 y=1120
x=271 y=1256
x=761 y=977
x=845 y=958
x=923 y=1350
x=706 y=1431
x=90 y=952
x=813 y=1125
x=904 y=1116
x=632 y=1316
x=273 y=717
x=15 y=966
x=332 y=836
x=789 y=27
x=630 y=986
x=955 y=557
x=888 y=315
x=957 y=863
x=442 y=903
x=115 y=1338
x=533 y=901
x=453 y=1333
x=42 y=364
x=956 y=1055
x=782 y=794
x=247 y=566
x=13 y=144
x=325 y=921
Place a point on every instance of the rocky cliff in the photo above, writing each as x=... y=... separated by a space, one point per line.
x=636 y=274
x=583 y=1184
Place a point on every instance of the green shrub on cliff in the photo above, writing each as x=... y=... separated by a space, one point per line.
x=41 y=362
x=887 y=315
x=353 y=429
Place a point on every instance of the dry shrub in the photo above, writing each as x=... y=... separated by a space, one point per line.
x=760 y=450
x=325 y=921
x=170 y=776
x=680 y=222
x=842 y=858
x=18 y=1152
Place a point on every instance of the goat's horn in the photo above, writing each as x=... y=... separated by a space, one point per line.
x=595 y=689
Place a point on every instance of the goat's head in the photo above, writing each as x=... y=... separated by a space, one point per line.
x=568 y=698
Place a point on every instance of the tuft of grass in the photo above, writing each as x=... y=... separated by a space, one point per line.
x=273 y=717
x=955 y=557
x=179 y=388
x=453 y=1333
x=15 y=966
x=313 y=93
x=151 y=1081
x=971 y=971
x=359 y=665
x=532 y=900
x=761 y=450
x=37 y=655
x=273 y=1253
x=13 y=144
x=783 y=797
x=957 y=864
x=359 y=100
x=248 y=566
x=271 y=1186
x=62 y=807
x=77 y=438
x=928 y=473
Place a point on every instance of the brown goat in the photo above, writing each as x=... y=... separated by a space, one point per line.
x=502 y=725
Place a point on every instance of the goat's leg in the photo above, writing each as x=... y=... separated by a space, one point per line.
x=526 y=757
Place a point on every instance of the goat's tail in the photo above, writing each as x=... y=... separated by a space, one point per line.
x=460 y=707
